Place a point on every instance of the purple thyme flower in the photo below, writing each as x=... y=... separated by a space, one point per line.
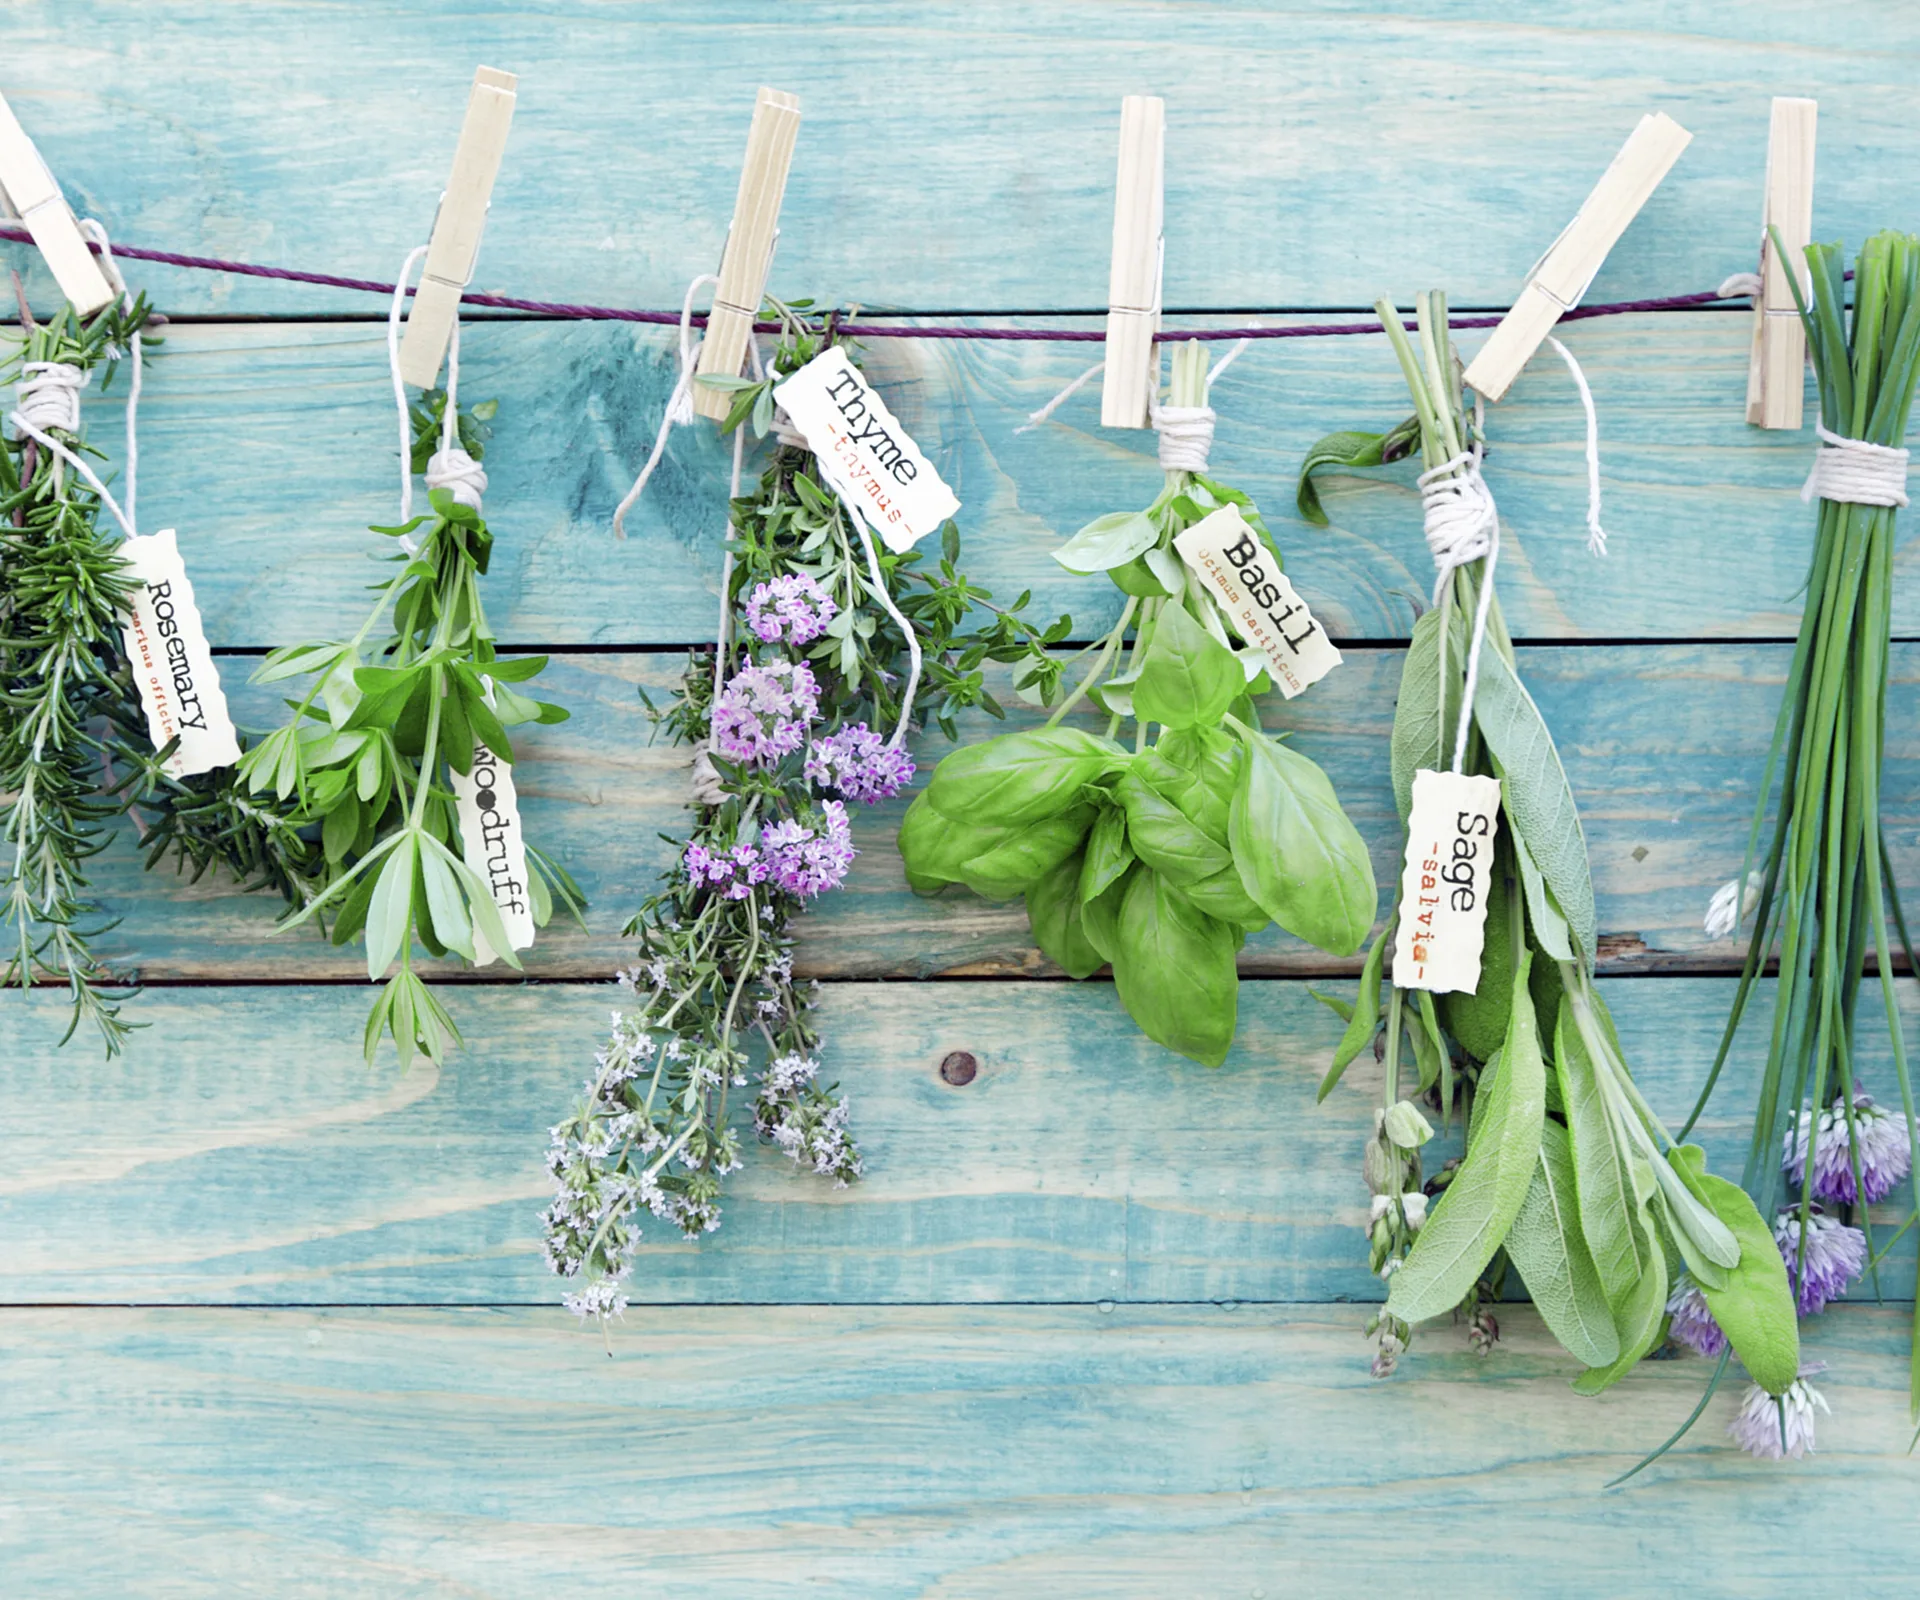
x=764 y=711
x=792 y=608
x=859 y=765
x=807 y=858
x=1885 y=1155
x=734 y=872
x=1693 y=1323
x=1770 y=1428
x=1836 y=1255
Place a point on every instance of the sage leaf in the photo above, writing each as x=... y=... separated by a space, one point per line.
x=1553 y=1260
x=1424 y=724
x=1755 y=1309
x=1053 y=912
x=1549 y=926
x=1302 y=861
x=1108 y=542
x=1486 y=1194
x=1539 y=800
x=1021 y=778
x=1187 y=676
x=1603 y=1179
x=1349 y=448
x=1173 y=966
x=1640 y=1320
x=1365 y=1021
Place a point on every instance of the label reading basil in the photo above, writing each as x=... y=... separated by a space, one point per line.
x=1229 y=558
x=864 y=452
x=493 y=845
x=172 y=665
x=1443 y=890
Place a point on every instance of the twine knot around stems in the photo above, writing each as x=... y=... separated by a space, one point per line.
x=48 y=396
x=1458 y=515
x=459 y=474
x=1855 y=472
x=1186 y=436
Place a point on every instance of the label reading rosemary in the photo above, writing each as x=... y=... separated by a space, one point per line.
x=172 y=665
x=864 y=452
x=1443 y=893
x=494 y=846
x=1227 y=556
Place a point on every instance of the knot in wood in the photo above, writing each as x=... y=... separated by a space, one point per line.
x=958 y=1068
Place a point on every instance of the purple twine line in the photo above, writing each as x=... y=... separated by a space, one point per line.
x=861 y=330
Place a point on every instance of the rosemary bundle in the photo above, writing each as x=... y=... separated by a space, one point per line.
x=1821 y=895
x=1160 y=859
x=800 y=712
x=1569 y=1175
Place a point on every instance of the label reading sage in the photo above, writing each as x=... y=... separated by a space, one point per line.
x=494 y=846
x=1443 y=890
x=172 y=664
x=1228 y=556
x=866 y=455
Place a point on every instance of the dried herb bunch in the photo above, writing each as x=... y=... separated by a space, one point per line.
x=800 y=713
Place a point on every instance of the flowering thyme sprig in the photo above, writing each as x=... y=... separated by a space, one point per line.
x=798 y=719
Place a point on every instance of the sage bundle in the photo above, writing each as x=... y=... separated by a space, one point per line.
x=1569 y=1175
x=829 y=651
x=1162 y=858
x=1820 y=897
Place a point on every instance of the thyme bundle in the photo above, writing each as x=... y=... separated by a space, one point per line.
x=1569 y=1175
x=1161 y=859
x=1820 y=899
x=799 y=713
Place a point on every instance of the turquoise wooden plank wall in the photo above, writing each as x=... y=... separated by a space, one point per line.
x=271 y=1324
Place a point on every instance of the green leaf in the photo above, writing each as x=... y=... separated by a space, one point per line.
x=1100 y=916
x=1539 y=800
x=1551 y=1254
x=1302 y=861
x=446 y=907
x=1349 y=449
x=1188 y=678
x=1424 y=729
x=1640 y=1321
x=1478 y=1019
x=1486 y=1194
x=1173 y=966
x=1108 y=853
x=1365 y=1021
x=1603 y=1178
x=389 y=913
x=1211 y=758
x=1160 y=834
x=1053 y=912
x=1107 y=542
x=1021 y=778
x=1225 y=896
x=1755 y=1309
x=1549 y=926
x=934 y=848
x=1011 y=867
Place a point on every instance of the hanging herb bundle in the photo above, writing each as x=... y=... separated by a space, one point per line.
x=1569 y=1175
x=801 y=712
x=373 y=752
x=1159 y=859
x=1821 y=896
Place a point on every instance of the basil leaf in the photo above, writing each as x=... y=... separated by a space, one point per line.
x=1161 y=835
x=1013 y=865
x=1302 y=861
x=1755 y=1309
x=1602 y=1177
x=1224 y=896
x=1021 y=778
x=1365 y=1020
x=1423 y=727
x=1553 y=1260
x=1349 y=448
x=1539 y=800
x=1108 y=853
x=1173 y=966
x=1107 y=542
x=1212 y=757
x=1187 y=676
x=1474 y=1217
x=1053 y=912
x=934 y=848
x=1100 y=916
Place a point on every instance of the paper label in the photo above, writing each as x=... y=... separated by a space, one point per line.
x=493 y=845
x=866 y=455
x=1229 y=558
x=172 y=665
x=1443 y=890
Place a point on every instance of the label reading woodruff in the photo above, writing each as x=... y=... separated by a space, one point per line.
x=172 y=665
x=493 y=845
x=1444 y=887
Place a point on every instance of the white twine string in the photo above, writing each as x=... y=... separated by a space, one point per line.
x=679 y=408
x=97 y=232
x=450 y=467
x=1855 y=472
x=1186 y=432
x=1596 y=535
x=1462 y=525
x=1740 y=286
x=414 y=258
x=878 y=584
x=1035 y=418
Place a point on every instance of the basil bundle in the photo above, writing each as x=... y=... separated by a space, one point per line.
x=1569 y=1175
x=1161 y=859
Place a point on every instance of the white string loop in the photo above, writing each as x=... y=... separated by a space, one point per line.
x=1855 y=472
x=1035 y=418
x=1739 y=286
x=414 y=258
x=679 y=408
x=1186 y=436
x=877 y=584
x=48 y=395
x=1596 y=535
x=1462 y=525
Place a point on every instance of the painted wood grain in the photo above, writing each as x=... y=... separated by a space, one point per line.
x=271 y=450
x=1664 y=745
x=952 y=155
x=870 y=1454
x=242 y=1153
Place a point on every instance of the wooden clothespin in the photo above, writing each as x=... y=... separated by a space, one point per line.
x=1133 y=286
x=1554 y=286
x=29 y=187
x=457 y=226
x=1776 y=374
x=748 y=256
